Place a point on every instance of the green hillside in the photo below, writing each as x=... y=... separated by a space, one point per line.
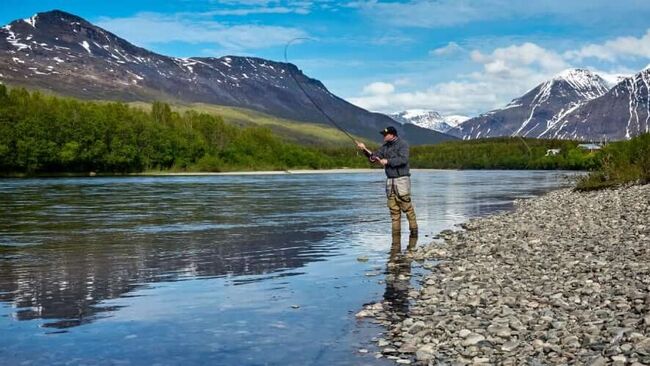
x=293 y=131
x=45 y=134
x=41 y=134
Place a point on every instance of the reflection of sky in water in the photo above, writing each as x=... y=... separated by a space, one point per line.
x=206 y=269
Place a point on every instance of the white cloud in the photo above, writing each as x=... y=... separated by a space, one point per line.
x=147 y=29
x=446 y=98
x=450 y=49
x=520 y=60
x=243 y=8
x=506 y=73
x=262 y=10
x=615 y=49
x=447 y=13
x=378 y=88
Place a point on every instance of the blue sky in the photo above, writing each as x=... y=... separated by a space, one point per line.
x=452 y=56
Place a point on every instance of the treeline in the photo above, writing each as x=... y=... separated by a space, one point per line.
x=45 y=134
x=503 y=153
x=619 y=163
x=42 y=134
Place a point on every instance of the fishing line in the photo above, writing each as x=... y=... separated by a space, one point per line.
x=327 y=116
x=530 y=152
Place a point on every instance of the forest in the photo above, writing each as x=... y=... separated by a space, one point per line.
x=49 y=135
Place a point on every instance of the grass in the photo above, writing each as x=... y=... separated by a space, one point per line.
x=502 y=153
x=292 y=131
x=620 y=163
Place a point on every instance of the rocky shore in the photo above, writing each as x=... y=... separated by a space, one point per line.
x=564 y=279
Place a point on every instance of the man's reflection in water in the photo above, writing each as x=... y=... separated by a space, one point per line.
x=398 y=278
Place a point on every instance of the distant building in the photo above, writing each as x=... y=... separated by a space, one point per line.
x=590 y=147
x=552 y=152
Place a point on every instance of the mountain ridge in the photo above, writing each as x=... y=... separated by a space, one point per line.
x=539 y=110
x=64 y=53
x=428 y=119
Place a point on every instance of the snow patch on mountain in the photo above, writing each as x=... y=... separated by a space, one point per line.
x=31 y=21
x=455 y=120
x=428 y=119
x=585 y=82
x=85 y=45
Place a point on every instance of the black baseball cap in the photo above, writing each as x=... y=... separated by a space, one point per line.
x=387 y=130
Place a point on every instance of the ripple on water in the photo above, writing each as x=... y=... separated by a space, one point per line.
x=214 y=269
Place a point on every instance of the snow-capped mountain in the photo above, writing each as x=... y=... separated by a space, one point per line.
x=455 y=120
x=64 y=53
x=621 y=113
x=428 y=119
x=539 y=110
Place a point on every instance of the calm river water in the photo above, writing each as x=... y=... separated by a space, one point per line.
x=219 y=270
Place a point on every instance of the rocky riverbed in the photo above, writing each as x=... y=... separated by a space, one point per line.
x=564 y=279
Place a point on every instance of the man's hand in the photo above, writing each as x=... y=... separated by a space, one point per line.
x=383 y=162
x=361 y=145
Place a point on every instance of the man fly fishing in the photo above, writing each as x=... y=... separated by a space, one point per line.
x=394 y=156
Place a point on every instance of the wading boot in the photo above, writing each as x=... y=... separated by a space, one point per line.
x=413 y=233
x=413 y=242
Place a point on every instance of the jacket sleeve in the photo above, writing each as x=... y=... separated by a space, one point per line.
x=402 y=156
x=381 y=152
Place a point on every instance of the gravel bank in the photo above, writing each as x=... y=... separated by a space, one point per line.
x=564 y=279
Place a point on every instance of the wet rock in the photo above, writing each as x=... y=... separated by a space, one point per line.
x=364 y=314
x=416 y=327
x=382 y=343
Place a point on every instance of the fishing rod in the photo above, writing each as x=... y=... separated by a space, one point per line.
x=327 y=116
x=367 y=152
x=530 y=152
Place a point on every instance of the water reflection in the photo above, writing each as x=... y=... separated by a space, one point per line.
x=398 y=278
x=68 y=282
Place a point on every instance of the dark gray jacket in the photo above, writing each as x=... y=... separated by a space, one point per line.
x=397 y=153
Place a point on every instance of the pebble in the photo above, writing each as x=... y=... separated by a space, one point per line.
x=425 y=352
x=472 y=339
x=464 y=333
x=563 y=279
x=509 y=346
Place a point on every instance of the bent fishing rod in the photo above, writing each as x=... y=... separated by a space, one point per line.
x=331 y=120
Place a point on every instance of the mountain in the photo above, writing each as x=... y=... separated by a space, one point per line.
x=621 y=113
x=428 y=119
x=539 y=110
x=66 y=54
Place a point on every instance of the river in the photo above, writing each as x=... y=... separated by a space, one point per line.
x=222 y=270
